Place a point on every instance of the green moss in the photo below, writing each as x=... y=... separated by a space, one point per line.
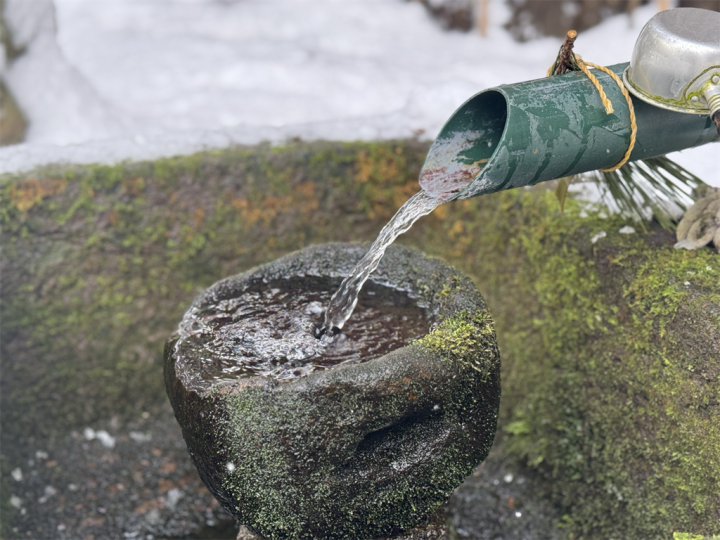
x=609 y=353
x=465 y=336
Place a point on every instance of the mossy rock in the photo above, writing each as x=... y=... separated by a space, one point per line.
x=611 y=359
x=354 y=451
x=12 y=121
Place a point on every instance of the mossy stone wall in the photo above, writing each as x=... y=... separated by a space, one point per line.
x=611 y=370
x=611 y=360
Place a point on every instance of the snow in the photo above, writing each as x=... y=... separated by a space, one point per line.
x=109 y=80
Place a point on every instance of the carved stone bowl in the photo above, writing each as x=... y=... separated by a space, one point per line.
x=355 y=451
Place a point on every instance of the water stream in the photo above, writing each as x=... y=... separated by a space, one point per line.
x=449 y=168
x=345 y=299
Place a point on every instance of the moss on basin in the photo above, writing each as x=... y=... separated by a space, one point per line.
x=455 y=338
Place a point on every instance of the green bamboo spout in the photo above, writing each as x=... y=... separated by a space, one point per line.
x=530 y=132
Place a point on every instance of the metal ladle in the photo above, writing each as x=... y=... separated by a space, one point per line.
x=675 y=64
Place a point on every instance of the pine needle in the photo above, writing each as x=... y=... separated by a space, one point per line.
x=648 y=187
x=561 y=191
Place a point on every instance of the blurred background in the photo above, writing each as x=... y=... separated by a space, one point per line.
x=106 y=80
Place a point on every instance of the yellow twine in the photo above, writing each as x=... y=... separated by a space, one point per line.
x=608 y=104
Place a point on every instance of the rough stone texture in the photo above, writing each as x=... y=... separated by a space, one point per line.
x=434 y=529
x=99 y=263
x=12 y=122
x=135 y=480
x=356 y=451
x=501 y=501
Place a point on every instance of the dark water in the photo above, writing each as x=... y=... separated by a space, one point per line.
x=270 y=329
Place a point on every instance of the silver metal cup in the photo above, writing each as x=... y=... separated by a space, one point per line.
x=676 y=61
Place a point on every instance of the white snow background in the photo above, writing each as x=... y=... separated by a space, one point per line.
x=111 y=80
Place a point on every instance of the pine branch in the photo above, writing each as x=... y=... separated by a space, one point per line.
x=650 y=186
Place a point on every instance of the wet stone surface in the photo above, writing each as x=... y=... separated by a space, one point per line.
x=114 y=479
x=499 y=501
x=431 y=528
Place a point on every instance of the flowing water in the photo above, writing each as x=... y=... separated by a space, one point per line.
x=272 y=329
x=345 y=298
x=269 y=329
x=448 y=169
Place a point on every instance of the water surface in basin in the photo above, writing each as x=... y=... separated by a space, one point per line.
x=270 y=329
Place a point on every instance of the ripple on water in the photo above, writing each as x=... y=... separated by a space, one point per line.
x=269 y=329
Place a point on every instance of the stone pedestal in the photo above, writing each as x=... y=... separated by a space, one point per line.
x=434 y=529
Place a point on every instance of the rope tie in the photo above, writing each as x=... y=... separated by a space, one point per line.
x=569 y=61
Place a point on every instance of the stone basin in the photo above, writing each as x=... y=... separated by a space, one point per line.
x=354 y=451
